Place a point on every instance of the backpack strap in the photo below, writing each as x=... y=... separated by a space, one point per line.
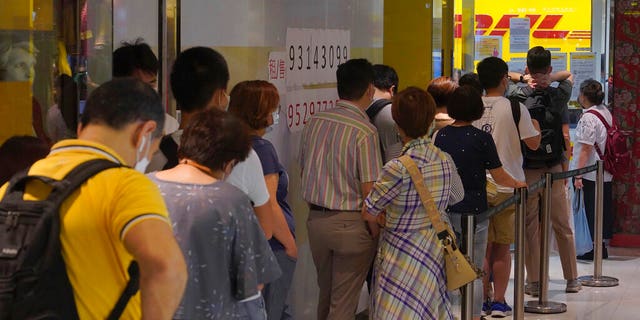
x=526 y=91
x=169 y=149
x=606 y=126
x=18 y=183
x=74 y=179
x=515 y=111
x=129 y=291
x=602 y=119
x=375 y=108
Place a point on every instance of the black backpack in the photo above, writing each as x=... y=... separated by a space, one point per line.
x=33 y=277
x=545 y=106
x=169 y=149
x=375 y=108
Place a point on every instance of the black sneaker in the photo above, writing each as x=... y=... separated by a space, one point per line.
x=587 y=256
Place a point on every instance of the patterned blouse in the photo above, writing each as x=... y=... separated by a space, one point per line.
x=226 y=252
x=394 y=186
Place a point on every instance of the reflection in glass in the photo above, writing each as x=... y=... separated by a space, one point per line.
x=52 y=54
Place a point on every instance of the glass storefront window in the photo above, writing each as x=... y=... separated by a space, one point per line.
x=507 y=29
x=52 y=53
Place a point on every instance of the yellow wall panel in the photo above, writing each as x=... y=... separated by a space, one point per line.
x=15 y=15
x=407 y=41
x=44 y=15
x=15 y=109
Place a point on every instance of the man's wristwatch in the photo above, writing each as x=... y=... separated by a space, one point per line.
x=521 y=78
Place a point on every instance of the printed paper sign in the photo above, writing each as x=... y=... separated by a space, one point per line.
x=313 y=55
x=520 y=30
x=302 y=104
x=277 y=70
x=488 y=46
x=559 y=61
x=583 y=67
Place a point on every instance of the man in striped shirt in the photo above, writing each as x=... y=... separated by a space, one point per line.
x=340 y=160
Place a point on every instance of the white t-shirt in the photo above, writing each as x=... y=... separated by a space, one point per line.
x=248 y=177
x=171 y=125
x=498 y=121
x=590 y=130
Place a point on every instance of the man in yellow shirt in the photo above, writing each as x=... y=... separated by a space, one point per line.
x=118 y=215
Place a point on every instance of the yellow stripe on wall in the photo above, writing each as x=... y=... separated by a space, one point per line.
x=407 y=41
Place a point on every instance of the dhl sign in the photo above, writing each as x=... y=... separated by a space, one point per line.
x=486 y=26
x=564 y=25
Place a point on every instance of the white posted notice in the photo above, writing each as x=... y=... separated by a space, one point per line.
x=584 y=65
x=304 y=103
x=520 y=29
x=313 y=55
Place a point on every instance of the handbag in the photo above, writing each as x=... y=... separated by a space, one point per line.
x=583 y=239
x=458 y=267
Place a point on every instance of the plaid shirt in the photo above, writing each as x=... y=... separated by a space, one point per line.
x=409 y=279
x=339 y=150
x=395 y=190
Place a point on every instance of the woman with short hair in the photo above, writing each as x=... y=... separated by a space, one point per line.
x=227 y=254
x=409 y=281
x=591 y=132
x=256 y=102
x=474 y=153
x=441 y=89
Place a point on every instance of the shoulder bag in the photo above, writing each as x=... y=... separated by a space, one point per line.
x=458 y=267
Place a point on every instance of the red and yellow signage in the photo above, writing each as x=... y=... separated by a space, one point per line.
x=562 y=26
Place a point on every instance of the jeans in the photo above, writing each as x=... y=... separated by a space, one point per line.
x=276 y=292
x=479 y=249
x=254 y=309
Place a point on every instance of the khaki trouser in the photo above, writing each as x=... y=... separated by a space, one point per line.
x=559 y=217
x=342 y=250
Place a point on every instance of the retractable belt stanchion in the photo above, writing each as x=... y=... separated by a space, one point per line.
x=542 y=305
x=597 y=279
x=518 y=292
x=467 y=292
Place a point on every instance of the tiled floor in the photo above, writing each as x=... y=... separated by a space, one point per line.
x=621 y=302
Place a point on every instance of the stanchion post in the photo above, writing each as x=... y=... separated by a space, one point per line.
x=543 y=305
x=597 y=279
x=518 y=292
x=467 y=293
x=597 y=228
x=544 y=238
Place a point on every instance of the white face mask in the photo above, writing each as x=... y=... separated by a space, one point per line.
x=143 y=150
x=226 y=107
x=276 y=119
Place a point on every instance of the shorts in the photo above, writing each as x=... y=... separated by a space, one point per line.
x=501 y=226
